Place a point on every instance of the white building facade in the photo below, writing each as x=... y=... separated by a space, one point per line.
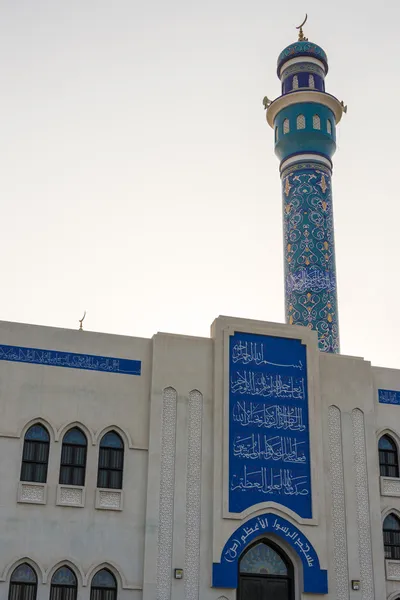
x=240 y=466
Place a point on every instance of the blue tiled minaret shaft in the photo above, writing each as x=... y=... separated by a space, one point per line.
x=304 y=120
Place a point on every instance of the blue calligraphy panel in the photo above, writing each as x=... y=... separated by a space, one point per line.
x=54 y=358
x=389 y=396
x=269 y=445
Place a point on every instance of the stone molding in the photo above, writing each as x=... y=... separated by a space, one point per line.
x=363 y=519
x=108 y=499
x=193 y=496
x=70 y=495
x=338 y=504
x=167 y=488
x=32 y=492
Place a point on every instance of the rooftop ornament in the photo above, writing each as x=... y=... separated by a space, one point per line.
x=302 y=38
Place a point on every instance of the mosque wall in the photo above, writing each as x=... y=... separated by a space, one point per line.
x=187 y=503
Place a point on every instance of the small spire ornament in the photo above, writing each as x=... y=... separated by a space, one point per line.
x=302 y=38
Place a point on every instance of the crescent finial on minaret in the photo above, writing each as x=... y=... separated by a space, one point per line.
x=300 y=28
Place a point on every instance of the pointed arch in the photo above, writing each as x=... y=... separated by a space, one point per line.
x=8 y=570
x=66 y=562
x=67 y=426
x=122 y=432
x=118 y=574
x=40 y=421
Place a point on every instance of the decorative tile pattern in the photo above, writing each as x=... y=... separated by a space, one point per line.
x=393 y=569
x=32 y=493
x=109 y=499
x=310 y=270
x=390 y=486
x=302 y=68
x=193 y=496
x=167 y=487
x=70 y=495
x=338 y=504
x=301 y=48
x=363 y=521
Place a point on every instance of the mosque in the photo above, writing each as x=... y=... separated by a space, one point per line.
x=255 y=464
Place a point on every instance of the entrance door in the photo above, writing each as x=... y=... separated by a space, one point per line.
x=265 y=573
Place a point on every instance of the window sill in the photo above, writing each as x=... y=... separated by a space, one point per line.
x=392 y=569
x=31 y=492
x=109 y=499
x=390 y=486
x=70 y=495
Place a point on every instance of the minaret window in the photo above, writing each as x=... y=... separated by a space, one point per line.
x=311 y=82
x=295 y=82
x=329 y=126
x=276 y=133
x=301 y=122
x=316 y=122
x=286 y=127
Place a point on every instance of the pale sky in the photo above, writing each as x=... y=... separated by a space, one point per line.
x=138 y=177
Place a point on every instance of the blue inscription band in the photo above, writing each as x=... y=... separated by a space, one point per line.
x=225 y=573
x=269 y=446
x=389 y=396
x=53 y=358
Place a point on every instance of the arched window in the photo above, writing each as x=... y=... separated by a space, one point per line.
x=311 y=82
x=111 y=461
x=63 y=585
x=35 y=455
x=391 y=537
x=301 y=122
x=329 y=126
x=286 y=127
x=295 y=82
x=316 y=122
x=264 y=569
x=276 y=133
x=23 y=583
x=104 y=586
x=388 y=457
x=73 y=458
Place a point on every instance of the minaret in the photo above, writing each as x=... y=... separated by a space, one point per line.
x=304 y=120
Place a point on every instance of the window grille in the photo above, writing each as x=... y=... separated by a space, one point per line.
x=316 y=122
x=73 y=458
x=391 y=537
x=23 y=583
x=111 y=461
x=64 y=585
x=301 y=122
x=35 y=454
x=388 y=457
x=295 y=82
x=286 y=127
x=329 y=126
x=311 y=82
x=104 y=586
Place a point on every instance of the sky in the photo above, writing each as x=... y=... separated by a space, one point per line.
x=138 y=178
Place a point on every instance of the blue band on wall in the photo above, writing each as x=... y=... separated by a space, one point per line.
x=389 y=396
x=70 y=360
x=225 y=573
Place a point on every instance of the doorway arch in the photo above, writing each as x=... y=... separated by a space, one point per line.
x=265 y=573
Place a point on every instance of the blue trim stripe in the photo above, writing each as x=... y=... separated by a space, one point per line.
x=69 y=360
x=389 y=396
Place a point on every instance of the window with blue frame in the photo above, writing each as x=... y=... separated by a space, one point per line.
x=73 y=458
x=35 y=454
